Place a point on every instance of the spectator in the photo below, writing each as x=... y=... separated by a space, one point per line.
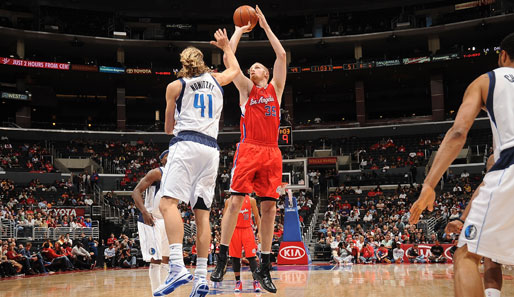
x=58 y=261
x=398 y=253
x=414 y=255
x=82 y=257
x=111 y=239
x=437 y=253
x=367 y=254
x=343 y=254
x=110 y=255
x=382 y=255
x=14 y=256
x=36 y=260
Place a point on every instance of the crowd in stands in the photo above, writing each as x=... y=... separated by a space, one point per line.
x=24 y=156
x=370 y=226
x=67 y=254
x=33 y=205
x=386 y=154
x=133 y=159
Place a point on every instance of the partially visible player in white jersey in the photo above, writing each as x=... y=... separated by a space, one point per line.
x=487 y=231
x=150 y=225
x=193 y=109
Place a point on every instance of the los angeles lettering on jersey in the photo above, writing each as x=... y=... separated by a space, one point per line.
x=202 y=85
x=262 y=100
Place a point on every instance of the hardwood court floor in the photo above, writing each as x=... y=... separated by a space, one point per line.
x=292 y=281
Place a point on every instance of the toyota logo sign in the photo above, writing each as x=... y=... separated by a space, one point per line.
x=292 y=253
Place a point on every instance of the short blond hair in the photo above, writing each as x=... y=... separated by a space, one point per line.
x=192 y=63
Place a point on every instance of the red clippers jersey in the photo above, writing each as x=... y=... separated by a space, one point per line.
x=244 y=219
x=260 y=117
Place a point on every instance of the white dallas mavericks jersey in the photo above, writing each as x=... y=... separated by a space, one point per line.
x=500 y=107
x=199 y=105
x=151 y=195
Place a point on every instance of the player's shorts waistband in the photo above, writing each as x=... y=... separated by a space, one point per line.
x=506 y=159
x=195 y=137
x=256 y=142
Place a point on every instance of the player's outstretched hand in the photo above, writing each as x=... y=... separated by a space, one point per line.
x=246 y=28
x=221 y=39
x=262 y=19
x=453 y=227
x=425 y=201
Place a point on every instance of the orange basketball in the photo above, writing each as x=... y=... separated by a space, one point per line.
x=245 y=14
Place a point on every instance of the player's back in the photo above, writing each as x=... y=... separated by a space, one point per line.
x=199 y=105
x=260 y=117
x=244 y=219
x=500 y=107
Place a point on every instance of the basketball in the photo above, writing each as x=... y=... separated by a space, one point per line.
x=245 y=14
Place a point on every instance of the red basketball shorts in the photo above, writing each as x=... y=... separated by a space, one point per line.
x=257 y=168
x=242 y=238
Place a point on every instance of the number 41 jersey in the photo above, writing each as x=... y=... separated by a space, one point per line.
x=260 y=117
x=199 y=105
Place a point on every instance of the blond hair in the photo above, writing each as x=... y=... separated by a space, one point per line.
x=192 y=63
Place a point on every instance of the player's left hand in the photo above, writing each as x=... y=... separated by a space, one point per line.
x=148 y=218
x=425 y=201
x=262 y=19
x=221 y=37
x=454 y=227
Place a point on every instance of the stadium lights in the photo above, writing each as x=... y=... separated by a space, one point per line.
x=53 y=124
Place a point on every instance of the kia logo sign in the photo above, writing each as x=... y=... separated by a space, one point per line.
x=292 y=253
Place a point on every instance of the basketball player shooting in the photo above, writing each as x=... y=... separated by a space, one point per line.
x=487 y=231
x=258 y=160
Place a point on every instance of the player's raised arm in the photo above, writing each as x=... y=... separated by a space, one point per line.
x=242 y=83
x=280 y=66
x=452 y=144
x=172 y=92
x=137 y=195
x=232 y=65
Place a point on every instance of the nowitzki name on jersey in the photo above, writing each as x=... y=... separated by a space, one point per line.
x=201 y=85
x=262 y=100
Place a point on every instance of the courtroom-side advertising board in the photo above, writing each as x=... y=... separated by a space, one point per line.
x=63 y=211
x=138 y=71
x=322 y=161
x=109 y=69
x=424 y=249
x=14 y=96
x=89 y=68
x=35 y=64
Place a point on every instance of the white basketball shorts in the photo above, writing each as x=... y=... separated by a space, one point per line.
x=153 y=240
x=489 y=227
x=191 y=169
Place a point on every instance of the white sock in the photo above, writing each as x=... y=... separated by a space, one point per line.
x=165 y=269
x=201 y=267
x=155 y=275
x=492 y=292
x=176 y=256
